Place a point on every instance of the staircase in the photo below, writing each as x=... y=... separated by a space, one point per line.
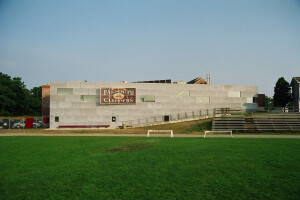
x=251 y=128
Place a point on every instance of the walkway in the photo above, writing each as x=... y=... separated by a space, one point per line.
x=156 y=135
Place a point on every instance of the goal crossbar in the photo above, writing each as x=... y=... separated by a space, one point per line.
x=217 y=132
x=160 y=131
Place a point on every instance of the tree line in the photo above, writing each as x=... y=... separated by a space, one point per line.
x=16 y=99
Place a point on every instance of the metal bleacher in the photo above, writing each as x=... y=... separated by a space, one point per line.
x=227 y=119
x=284 y=122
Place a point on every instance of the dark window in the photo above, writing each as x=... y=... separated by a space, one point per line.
x=166 y=118
x=255 y=99
x=56 y=119
x=113 y=119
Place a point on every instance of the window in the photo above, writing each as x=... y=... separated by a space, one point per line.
x=255 y=99
x=88 y=98
x=183 y=93
x=148 y=98
x=234 y=94
x=202 y=100
x=113 y=119
x=56 y=119
x=166 y=118
x=65 y=91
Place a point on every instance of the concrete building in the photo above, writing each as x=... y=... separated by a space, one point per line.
x=92 y=103
x=295 y=83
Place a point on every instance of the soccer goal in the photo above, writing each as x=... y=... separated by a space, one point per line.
x=160 y=131
x=218 y=132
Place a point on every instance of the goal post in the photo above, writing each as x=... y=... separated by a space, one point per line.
x=218 y=132
x=160 y=131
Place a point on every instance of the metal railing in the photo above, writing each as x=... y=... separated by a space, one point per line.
x=160 y=119
x=276 y=109
x=241 y=111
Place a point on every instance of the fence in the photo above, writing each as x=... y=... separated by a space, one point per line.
x=24 y=123
x=276 y=109
x=259 y=110
x=159 y=119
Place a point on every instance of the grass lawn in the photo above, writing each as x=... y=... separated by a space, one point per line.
x=148 y=168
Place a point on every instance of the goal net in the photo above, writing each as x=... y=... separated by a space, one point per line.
x=160 y=131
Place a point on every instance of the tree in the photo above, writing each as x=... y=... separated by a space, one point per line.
x=34 y=101
x=282 y=93
x=7 y=95
x=269 y=102
x=15 y=99
x=19 y=90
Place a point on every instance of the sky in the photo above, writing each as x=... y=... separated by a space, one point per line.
x=239 y=42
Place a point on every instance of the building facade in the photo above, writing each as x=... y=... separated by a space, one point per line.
x=295 y=83
x=92 y=103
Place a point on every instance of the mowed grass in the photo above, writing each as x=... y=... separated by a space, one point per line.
x=148 y=168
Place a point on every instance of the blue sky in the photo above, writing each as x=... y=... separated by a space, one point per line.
x=241 y=42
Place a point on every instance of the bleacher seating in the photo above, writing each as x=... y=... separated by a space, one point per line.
x=284 y=122
x=229 y=123
x=234 y=120
x=228 y=119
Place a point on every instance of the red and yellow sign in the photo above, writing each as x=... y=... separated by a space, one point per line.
x=118 y=96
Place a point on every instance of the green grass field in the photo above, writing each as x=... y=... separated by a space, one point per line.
x=148 y=168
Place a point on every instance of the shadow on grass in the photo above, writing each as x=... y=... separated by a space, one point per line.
x=200 y=127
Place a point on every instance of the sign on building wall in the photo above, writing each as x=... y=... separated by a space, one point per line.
x=118 y=96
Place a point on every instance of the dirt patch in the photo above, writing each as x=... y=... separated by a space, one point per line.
x=131 y=147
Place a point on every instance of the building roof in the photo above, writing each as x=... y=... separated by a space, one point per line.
x=197 y=80
x=45 y=86
x=155 y=81
x=297 y=79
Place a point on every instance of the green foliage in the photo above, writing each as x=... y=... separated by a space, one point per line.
x=15 y=99
x=34 y=101
x=282 y=93
x=148 y=168
x=269 y=102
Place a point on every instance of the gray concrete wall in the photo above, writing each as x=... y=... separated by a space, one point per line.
x=169 y=99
